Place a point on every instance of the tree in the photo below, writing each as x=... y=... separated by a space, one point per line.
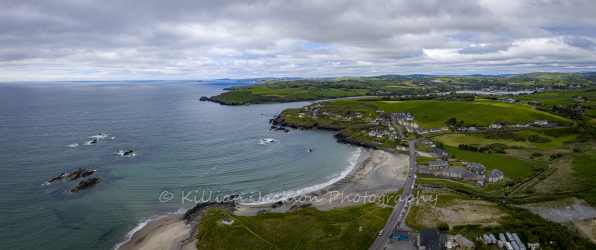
x=443 y=227
x=481 y=246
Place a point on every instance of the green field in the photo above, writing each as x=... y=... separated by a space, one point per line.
x=433 y=113
x=285 y=95
x=306 y=228
x=454 y=140
x=555 y=142
x=512 y=167
x=585 y=170
x=553 y=98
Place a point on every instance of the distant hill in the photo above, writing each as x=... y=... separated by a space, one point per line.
x=553 y=76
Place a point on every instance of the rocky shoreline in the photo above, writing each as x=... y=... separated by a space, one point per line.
x=340 y=136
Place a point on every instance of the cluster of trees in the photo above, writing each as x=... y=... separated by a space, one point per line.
x=505 y=135
x=468 y=147
x=453 y=121
x=497 y=147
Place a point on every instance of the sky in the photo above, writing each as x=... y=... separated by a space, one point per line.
x=47 y=40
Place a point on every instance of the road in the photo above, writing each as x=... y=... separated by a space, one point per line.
x=382 y=241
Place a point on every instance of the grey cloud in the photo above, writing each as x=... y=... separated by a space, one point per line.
x=194 y=39
x=580 y=42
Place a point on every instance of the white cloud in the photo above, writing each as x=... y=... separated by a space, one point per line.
x=56 y=39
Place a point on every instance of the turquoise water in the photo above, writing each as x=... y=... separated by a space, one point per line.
x=181 y=143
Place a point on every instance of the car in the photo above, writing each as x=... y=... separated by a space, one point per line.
x=381 y=233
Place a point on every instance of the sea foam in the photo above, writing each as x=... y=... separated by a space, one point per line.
x=352 y=161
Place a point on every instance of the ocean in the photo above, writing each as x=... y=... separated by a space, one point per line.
x=185 y=149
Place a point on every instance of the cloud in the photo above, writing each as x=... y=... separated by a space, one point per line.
x=308 y=38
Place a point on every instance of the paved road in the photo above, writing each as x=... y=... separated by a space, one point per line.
x=382 y=241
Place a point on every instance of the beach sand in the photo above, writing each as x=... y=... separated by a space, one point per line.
x=377 y=172
x=167 y=233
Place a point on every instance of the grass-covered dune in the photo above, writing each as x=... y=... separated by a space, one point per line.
x=306 y=228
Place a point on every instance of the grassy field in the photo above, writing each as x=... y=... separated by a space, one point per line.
x=432 y=113
x=555 y=142
x=260 y=95
x=553 y=98
x=512 y=167
x=455 y=140
x=306 y=228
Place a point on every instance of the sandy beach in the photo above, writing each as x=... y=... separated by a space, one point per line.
x=377 y=172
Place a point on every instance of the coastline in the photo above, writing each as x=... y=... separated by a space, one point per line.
x=376 y=172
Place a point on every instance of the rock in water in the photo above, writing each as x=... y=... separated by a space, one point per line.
x=85 y=184
x=204 y=98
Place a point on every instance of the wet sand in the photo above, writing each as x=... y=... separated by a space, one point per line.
x=377 y=172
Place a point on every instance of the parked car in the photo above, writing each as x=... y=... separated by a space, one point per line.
x=381 y=233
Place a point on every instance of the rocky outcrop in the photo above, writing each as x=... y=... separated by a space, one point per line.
x=296 y=207
x=204 y=98
x=230 y=103
x=279 y=122
x=85 y=184
x=193 y=215
x=71 y=176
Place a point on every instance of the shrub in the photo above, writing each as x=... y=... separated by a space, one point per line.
x=538 y=139
x=537 y=154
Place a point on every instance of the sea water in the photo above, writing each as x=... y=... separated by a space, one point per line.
x=184 y=149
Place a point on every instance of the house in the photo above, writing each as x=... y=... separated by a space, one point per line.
x=494 y=176
x=409 y=117
x=440 y=151
x=391 y=128
x=306 y=108
x=434 y=165
x=480 y=184
x=464 y=243
x=495 y=126
x=372 y=133
x=435 y=130
x=534 y=246
x=486 y=239
x=522 y=125
x=533 y=107
x=400 y=235
x=228 y=221
x=301 y=115
x=379 y=135
x=358 y=114
x=463 y=129
x=472 y=129
x=380 y=111
x=431 y=239
x=445 y=128
x=453 y=173
x=476 y=168
x=541 y=122
x=402 y=148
